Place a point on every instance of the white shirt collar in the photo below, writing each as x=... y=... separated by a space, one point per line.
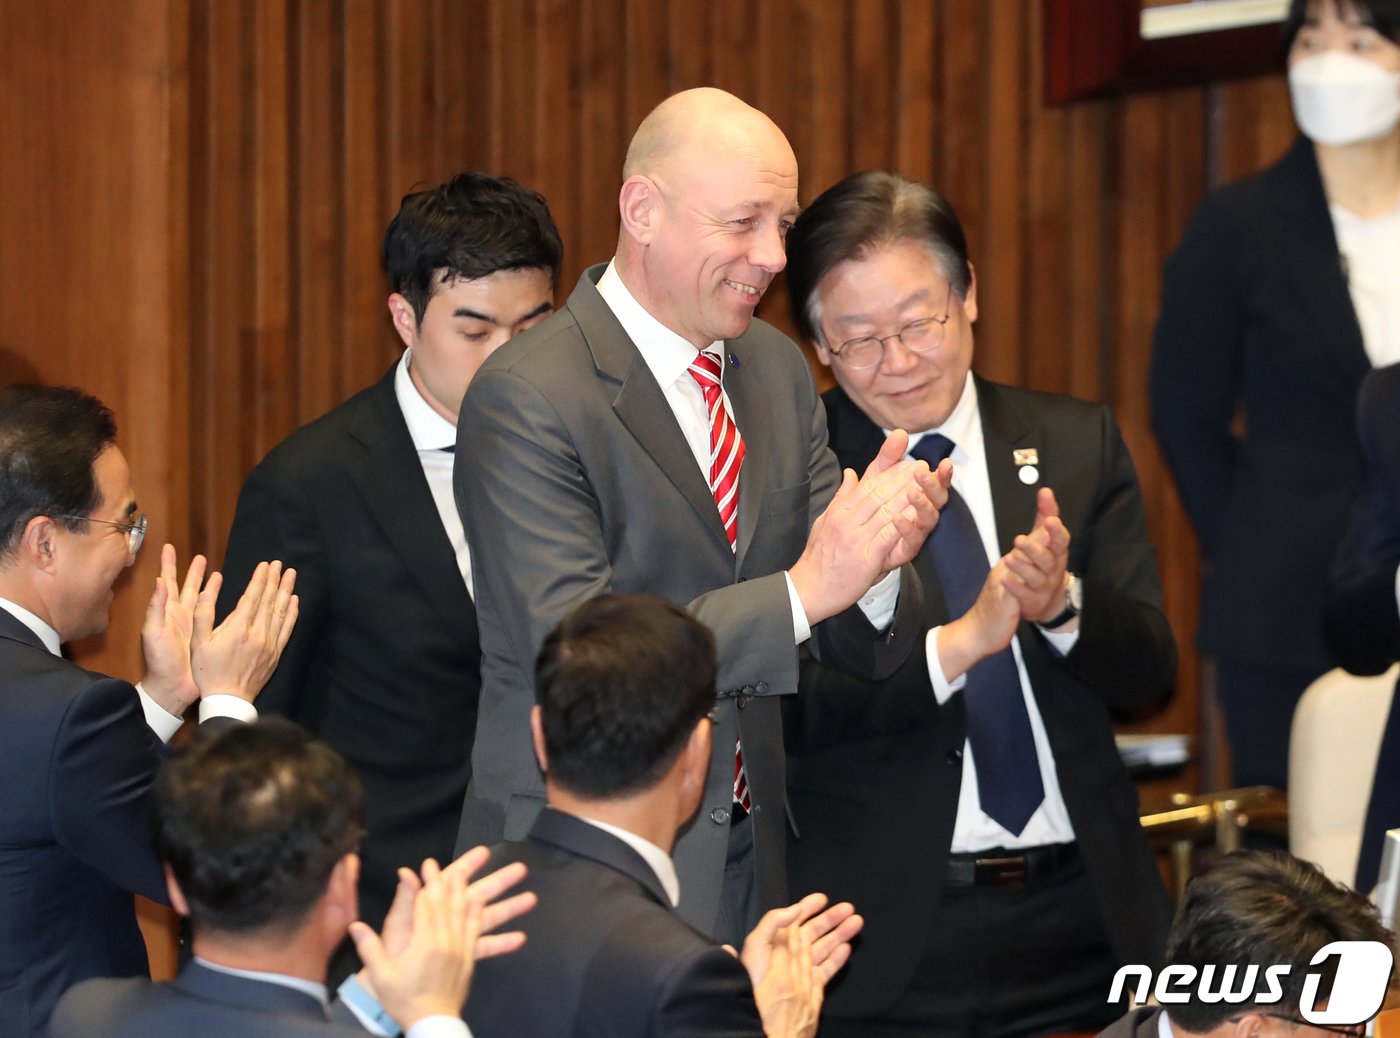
x=43 y=631
x=429 y=430
x=667 y=354
x=308 y=987
x=963 y=426
x=1164 y=1026
x=659 y=860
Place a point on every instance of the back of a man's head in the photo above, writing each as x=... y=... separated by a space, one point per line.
x=621 y=684
x=468 y=228
x=49 y=438
x=252 y=822
x=1266 y=909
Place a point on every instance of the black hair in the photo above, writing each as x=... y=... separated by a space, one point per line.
x=1382 y=15
x=252 y=822
x=470 y=227
x=859 y=214
x=1264 y=908
x=621 y=684
x=50 y=436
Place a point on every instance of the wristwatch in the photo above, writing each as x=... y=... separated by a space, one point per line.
x=1074 y=604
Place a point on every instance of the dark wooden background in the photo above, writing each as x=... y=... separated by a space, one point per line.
x=192 y=194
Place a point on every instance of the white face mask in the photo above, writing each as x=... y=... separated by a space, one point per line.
x=1339 y=98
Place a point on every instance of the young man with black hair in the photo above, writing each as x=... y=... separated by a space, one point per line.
x=258 y=829
x=385 y=662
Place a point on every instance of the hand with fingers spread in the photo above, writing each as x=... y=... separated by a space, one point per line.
x=166 y=634
x=237 y=657
x=872 y=525
x=1039 y=562
x=431 y=974
x=791 y=955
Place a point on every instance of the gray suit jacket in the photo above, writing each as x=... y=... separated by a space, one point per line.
x=1140 y=1023
x=574 y=479
x=201 y=1002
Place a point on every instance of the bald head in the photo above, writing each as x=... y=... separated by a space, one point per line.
x=709 y=193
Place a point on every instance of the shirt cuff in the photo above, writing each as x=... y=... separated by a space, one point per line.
x=879 y=602
x=227 y=706
x=801 y=629
x=1061 y=641
x=439 y=1027
x=158 y=719
x=943 y=689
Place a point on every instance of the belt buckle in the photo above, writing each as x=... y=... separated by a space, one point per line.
x=1004 y=872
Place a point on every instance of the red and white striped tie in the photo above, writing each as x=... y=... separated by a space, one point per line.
x=726 y=458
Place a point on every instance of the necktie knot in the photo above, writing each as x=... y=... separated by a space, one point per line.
x=932 y=448
x=705 y=369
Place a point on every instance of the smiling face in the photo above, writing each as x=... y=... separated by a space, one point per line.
x=704 y=225
x=89 y=563
x=878 y=294
x=464 y=323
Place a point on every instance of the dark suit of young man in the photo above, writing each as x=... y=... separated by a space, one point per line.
x=200 y=1001
x=1363 y=616
x=606 y=953
x=76 y=764
x=875 y=769
x=384 y=663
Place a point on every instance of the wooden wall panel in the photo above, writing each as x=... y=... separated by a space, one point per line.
x=196 y=192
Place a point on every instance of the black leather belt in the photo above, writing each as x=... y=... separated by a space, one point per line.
x=1003 y=868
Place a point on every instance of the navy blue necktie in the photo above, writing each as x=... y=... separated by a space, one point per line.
x=998 y=727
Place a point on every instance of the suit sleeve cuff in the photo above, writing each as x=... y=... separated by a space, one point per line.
x=943 y=689
x=879 y=602
x=801 y=629
x=158 y=719
x=227 y=706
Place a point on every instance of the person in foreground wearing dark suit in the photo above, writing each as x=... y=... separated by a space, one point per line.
x=1363 y=599
x=257 y=828
x=653 y=437
x=1255 y=909
x=385 y=664
x=974 y=804
x=1278 y=300
x=78 y=750
x=622 y=729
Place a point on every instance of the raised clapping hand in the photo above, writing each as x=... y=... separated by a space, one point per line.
x=438 y=926
x=1027 y=583
x=872 y=525
x=237 y=657
x=166 y=633
x=791 y=955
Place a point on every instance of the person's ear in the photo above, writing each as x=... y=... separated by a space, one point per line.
x=342 y=891
x=537 y=737
x=970 y=300
x=177 y=896
x=639 y=205
x=405 y=319
x=697 y=750
x=40 y=543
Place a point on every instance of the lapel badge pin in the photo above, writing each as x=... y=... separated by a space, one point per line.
x=734 y=359
x=1026 y=459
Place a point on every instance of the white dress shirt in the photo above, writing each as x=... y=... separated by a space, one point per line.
x=974 y=830
x=669 y=357
x=431 y=433
x=660 y=862
x=162 y=723
x=1371 y=247
x=428 y=1027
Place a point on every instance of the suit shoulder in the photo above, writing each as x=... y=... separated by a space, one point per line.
x=98 y=1007
x=544 y=349
x=310 y=446
x=1045 y=407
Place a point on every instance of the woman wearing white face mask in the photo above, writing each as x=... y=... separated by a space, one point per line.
x=1284 y=291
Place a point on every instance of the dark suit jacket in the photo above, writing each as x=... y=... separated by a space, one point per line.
x=606 y=954
x=574 y=479
x=875 y=769
x=1363 y=621
x=1256 y=317
x=383 y=663
x=1140 y=1023
x=200 y=1002
x=76 y=764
